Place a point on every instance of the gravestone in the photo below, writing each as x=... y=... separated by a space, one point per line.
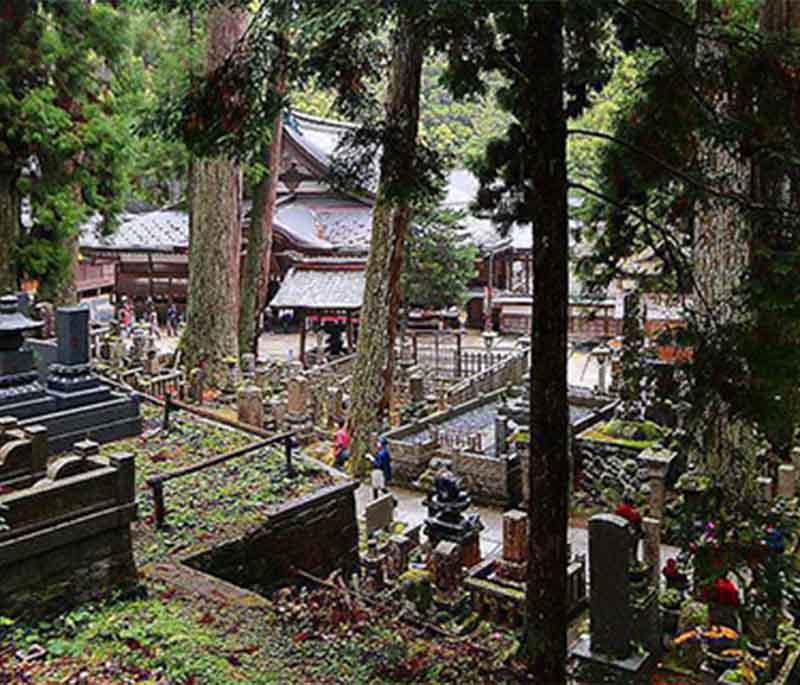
x=197 y=382
x=398 y=552
x=651 y=528
x=787 y=481
x=373 y=565
x=611 y=604
x=446 y=567
x=251 y=406
x=513 y=564
x=610 y=545
x=249 y=365
x=379 y=514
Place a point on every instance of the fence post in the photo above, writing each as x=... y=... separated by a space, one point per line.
x=167 y=408
x=288 y=446
x=458 y=354
x=157 y=486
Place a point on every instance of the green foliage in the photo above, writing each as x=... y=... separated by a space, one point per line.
x=63 y=134
x=215 y=504
x=438 y=263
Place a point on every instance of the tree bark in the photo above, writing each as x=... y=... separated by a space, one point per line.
x=9 y=230
x=214 y=251
x=372 y=376
x=549 y=472
x=67 y=292
x=255 y=278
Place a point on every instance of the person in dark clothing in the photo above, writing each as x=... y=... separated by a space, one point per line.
x=381 y=468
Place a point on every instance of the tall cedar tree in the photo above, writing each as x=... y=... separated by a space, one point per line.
x=255 y=277
x=63 y=138
x=372 y=375
x=214 y=251
x=722 y=175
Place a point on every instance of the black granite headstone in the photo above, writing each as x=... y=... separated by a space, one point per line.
x=72 y=329
x=610 y=544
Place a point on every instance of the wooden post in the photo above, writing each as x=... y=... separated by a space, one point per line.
x=303 y=337
x=157 y=486
x=414 y=346
x=350 y=332
x=458 y=353
x=288 y=448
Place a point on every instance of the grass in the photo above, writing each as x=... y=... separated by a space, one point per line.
x=213 y=505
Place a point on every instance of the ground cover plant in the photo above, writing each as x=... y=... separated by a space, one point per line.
x=215 y=504
x=321 y=636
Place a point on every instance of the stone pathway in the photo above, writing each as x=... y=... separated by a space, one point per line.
x=411 y=510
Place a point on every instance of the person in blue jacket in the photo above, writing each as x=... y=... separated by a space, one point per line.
x=381 y=468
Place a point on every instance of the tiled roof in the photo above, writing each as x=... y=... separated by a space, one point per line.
x=320 y=287
x=160 y=230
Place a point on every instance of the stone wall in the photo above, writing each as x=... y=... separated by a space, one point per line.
x=410 y=457
x=317 y=534
x=510 y=371
x=489 y=479
x=69 y=534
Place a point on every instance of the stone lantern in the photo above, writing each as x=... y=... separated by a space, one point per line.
x=19 y=379
x=602 y=354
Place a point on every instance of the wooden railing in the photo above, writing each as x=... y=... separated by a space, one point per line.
x=156 y=482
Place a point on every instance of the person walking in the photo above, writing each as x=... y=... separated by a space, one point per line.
x=341 y=444
x=381 y=468
x=173 y=320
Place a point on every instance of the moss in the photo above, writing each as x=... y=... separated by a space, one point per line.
x=634 y=434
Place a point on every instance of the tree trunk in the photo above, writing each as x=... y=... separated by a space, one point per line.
x=372 y=376
x=255 y=278
x=214 y=251
x=66 y=291
x=721 y=255
x=549 y=472
x=9 y=231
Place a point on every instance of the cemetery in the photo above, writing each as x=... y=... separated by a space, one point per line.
x=447 y=342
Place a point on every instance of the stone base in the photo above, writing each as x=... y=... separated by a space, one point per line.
x=114 y=419
x=636 y=669
x=512 y=570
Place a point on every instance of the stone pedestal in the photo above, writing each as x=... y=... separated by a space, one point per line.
x=787 y=481
x=445 y=566
x=657 y=462
x=651 y=528
x=197 y=384
x=250 y=405
x=248 y=365
x=398 y=552
x=515 y=536
x=416 y=388
x=373 y=564
x=764 y=488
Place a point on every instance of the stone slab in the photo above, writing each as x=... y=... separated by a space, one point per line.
x=635 y=669
x=379 y=514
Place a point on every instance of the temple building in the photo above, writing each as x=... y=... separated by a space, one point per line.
x=147 y=255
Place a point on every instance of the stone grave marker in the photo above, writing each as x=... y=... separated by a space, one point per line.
x=787 y=481
x=446 y=566
x=610 y=545
x=379 y=514
x=250 y=405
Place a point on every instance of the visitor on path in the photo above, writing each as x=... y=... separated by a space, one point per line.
x=173 y=320
x=341 y=444
x=152 y=319
x=381 y=468
x=126 y=316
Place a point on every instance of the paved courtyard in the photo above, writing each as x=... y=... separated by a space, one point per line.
x=411 y=510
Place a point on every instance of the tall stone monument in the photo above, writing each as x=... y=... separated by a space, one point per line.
x=613 y=622
x=74 y=404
